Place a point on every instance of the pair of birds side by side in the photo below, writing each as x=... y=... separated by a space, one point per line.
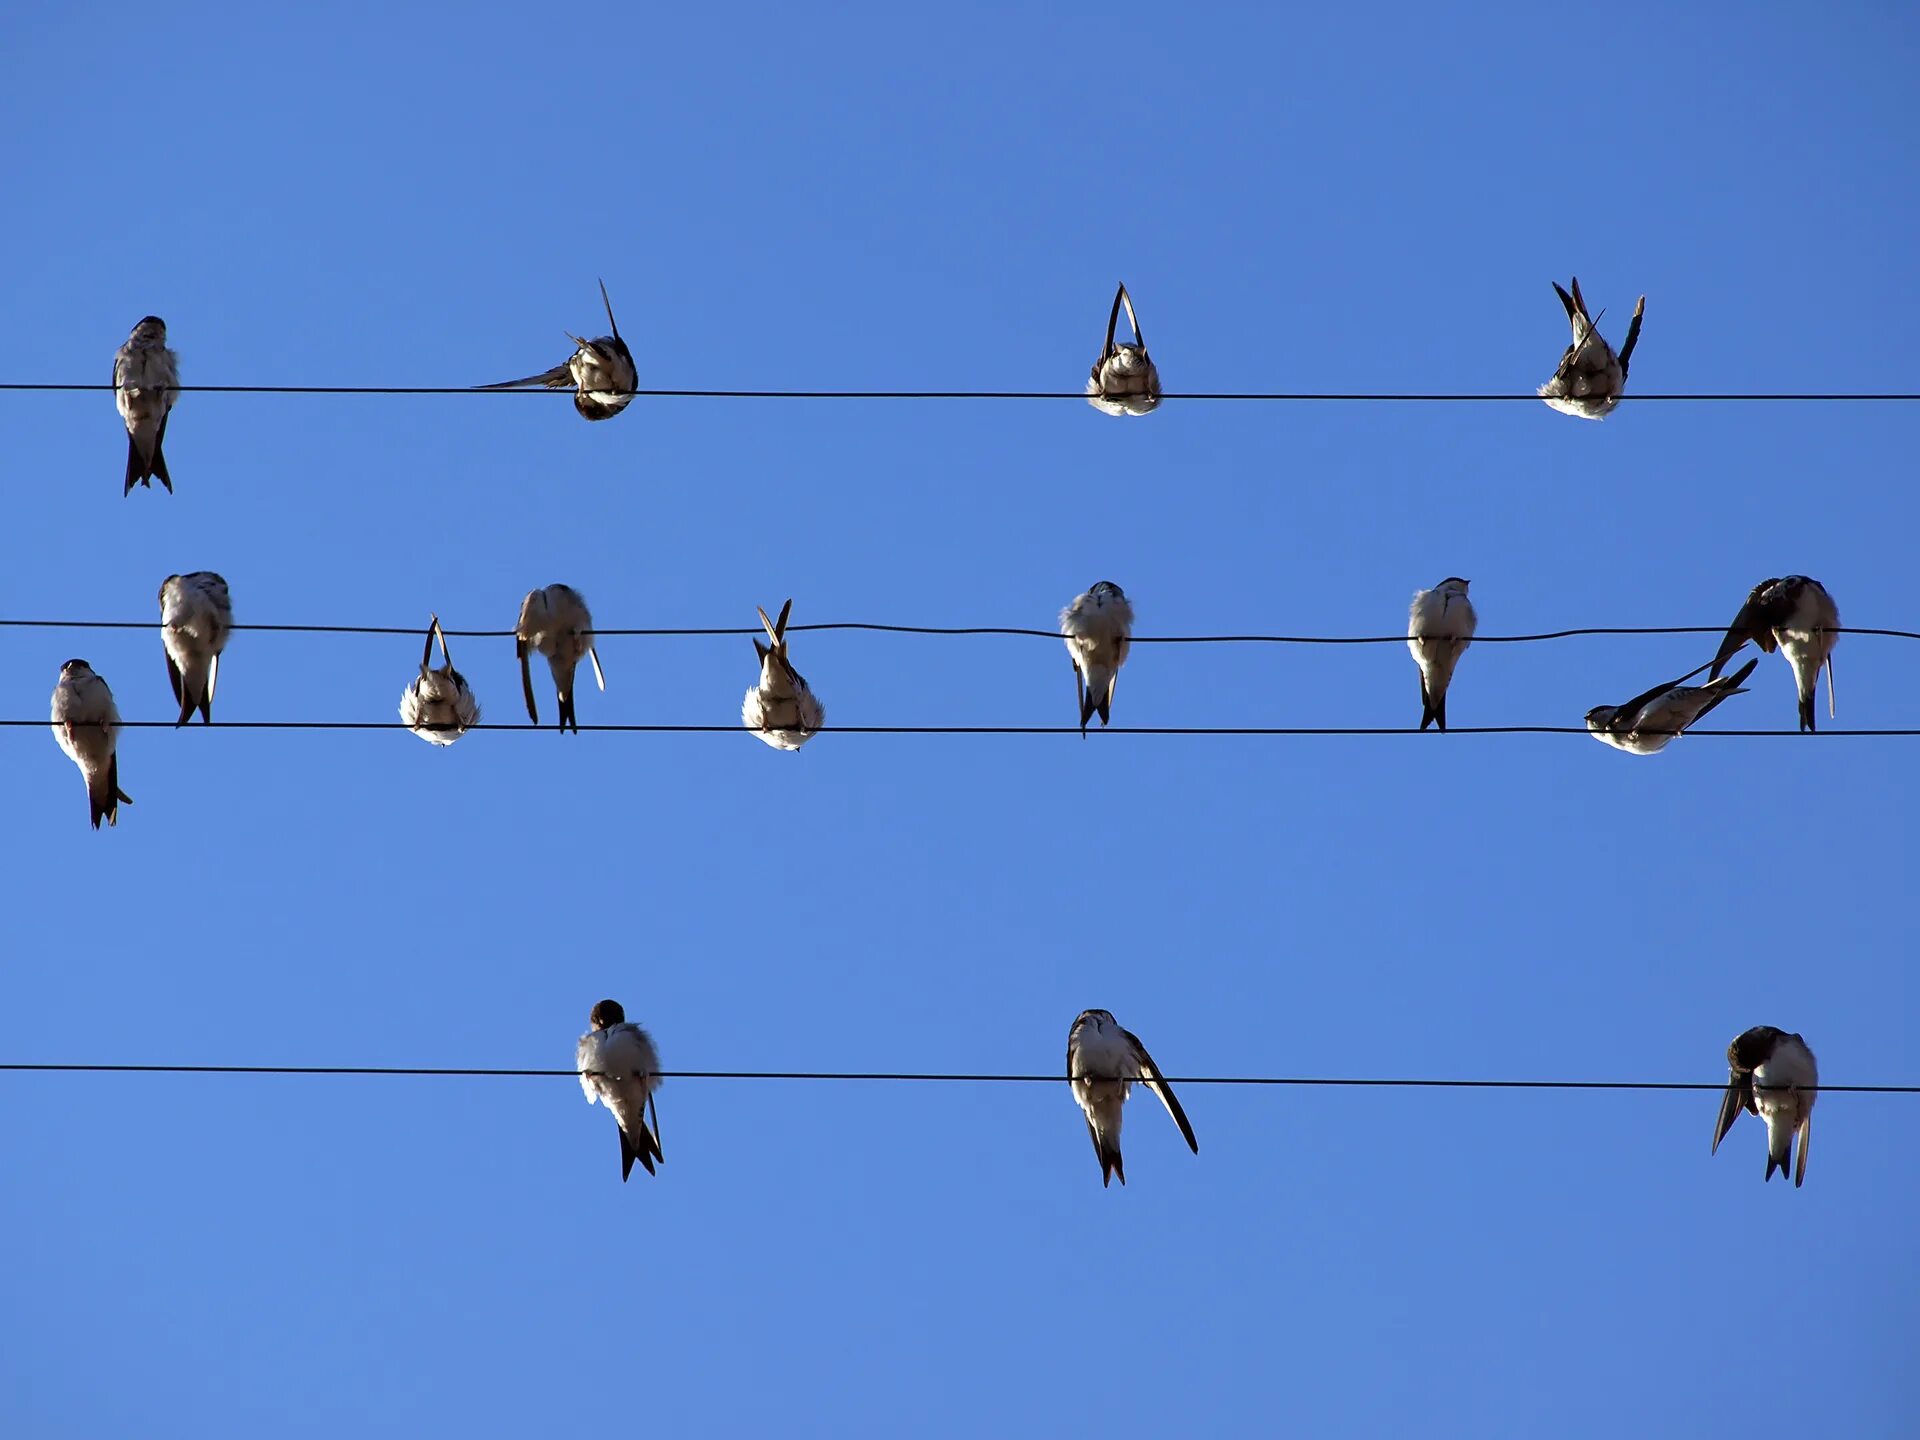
x=439 y=705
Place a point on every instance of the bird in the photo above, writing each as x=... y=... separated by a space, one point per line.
x=1124 y=380
x=600 y=370
x=1796 y=615
x=438 y=706
x=1773 y=1075
x=146 y=376
x=1591 y=377
x=1439 y=628
x=620 y=1068
x=1098 y=628
x=781 y=709
x=196 y=615
x=556 y=623
x=1649 y=722
x=86 y=724
x=1103 y=1061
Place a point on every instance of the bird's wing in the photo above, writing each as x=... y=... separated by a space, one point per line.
x=1739 y=1097
x=1150 y=1077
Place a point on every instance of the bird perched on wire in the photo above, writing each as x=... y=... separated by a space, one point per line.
x=781 y=709
x=1098 y=628
x=556 y=623
x=601 y=371
x=86 y=723
x=1773 y=1075
x=1439 y=628
x=146 y=375
x=196 y=616
x=1124 y=380
x=1103 y=1061
x=1796 y=616
x=1591 y=377
x=1649 y=722
x=438 y=706
x=620 y=1068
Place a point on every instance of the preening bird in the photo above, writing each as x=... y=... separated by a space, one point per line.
x=601 y=371
x=86 y=723
x=145 y=374
x=1591 y=377
x=438 y=706
x=1098 y=628
x=1796 y=616
x=781 y=709
x=1439 y=628
x=1773 y=1075
x=1124 y=380
x=196 y=615
x=556 y=623
x=620 y=1068
x=1103 y=1061
x=1649 y=722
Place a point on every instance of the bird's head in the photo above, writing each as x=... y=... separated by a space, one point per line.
x=605 y=1014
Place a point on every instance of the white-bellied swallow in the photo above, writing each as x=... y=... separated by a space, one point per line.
x=1124 y=380
x=196 y=616
x=1772 y=1074
x=438 y=705
x=1103 y=1061
x=620 y=1068
x=1591 y=377
x=1796 y=616
x=782 y=710
x=556 y=623
x=146 y=375
x=86 y=723
x=600 y=370
x=1098 y=629
x=1439 y=628
x=1651 y=721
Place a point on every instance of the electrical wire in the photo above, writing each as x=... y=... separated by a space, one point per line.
x=1216 y=730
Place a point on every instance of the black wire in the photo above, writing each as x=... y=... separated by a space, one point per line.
x=918 y=1075
x=1293 y=730
x=1308 y=396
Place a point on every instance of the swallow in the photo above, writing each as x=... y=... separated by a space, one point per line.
x=556 y=623
x=438 y=706
x=1591 y=377
x=620 y=1068
x=1103 y=1061
x=86 y=723
x=1439 y=628
x=146 y=376
x=600 y=370
x=1796 y=616
x=1124 y=380
x=1772 y=1074
x=1649 y=722
x=1098 y=628
x=781 y=710
x=195 y=618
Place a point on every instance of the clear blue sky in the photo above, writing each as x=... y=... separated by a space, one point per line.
x=897 y=197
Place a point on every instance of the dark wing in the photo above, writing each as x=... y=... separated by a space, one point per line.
x=1739 y=1097
x=1766 y=604
x=1113 y=321
x=1623 y=717
x=1133 y=321
x=553 y=379
x=1732 y=684
x=1633 y=336
x=1150 y=1077
x=612 y=324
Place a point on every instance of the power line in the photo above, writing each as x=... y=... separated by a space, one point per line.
x=734 y=729
x=916 y=1076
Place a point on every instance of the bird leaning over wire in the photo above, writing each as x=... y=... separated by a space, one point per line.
x=601 y=370
x=782 y=709
x=196 y=617
x=1650 y=722
x=1773 y=1075
x=1796 y=616
x=1590 y=376
x=438 y=705
x=556 y=623
x=1124 y=380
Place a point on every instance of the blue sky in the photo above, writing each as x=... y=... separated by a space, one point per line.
x=886 y=197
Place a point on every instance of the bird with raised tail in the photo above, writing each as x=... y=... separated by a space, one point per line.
x=196 y=616
x=1773 y=1075
x=1103 y=1061
x=1649 y=722
x=1098 y=629
x=438 y=706
x=1590 y=377
x=1439 y=628
x=1796 y=616
x=620 y=1069
x=600 y=370
x=1124 y=380
x=556 y=623
x=782 y=710
x=146 y=377
x=86 y=723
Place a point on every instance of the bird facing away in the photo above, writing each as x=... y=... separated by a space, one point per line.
x=1098 y=628
x=1772 y=1074
x=438 y=706
x=1591 y=377
x=556 y=623
x=1440 y=626
x=1103 y=1061
x=781 y=709
x=1796 y=616
x=145 y=375
x=620 y=1068
x=600 y=370
x=86 y=723
x=1124 y=380
x=196 y=616
x=1649 y=722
